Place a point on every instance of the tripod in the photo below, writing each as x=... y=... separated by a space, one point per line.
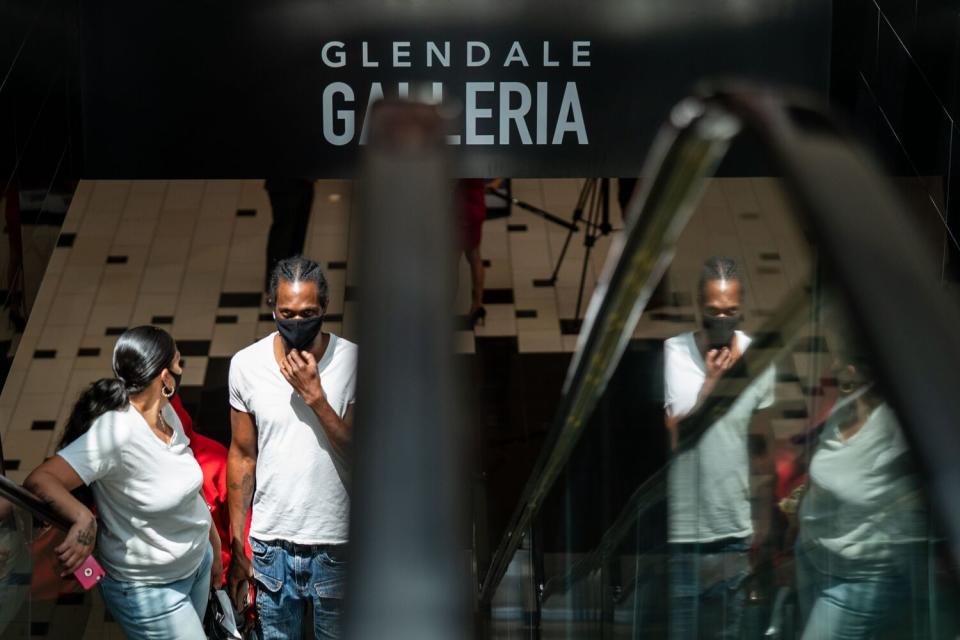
x=593 y=209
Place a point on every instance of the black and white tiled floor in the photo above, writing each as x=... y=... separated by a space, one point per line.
x=189 y=256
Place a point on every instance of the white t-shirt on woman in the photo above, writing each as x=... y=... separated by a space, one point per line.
x=154 y=524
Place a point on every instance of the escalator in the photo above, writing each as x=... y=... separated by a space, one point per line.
x=812 y=493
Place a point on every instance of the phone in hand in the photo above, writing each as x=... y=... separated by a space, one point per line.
x=89 y=573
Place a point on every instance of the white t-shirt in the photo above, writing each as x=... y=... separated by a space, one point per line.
x=301 y=489
x=709 y=483
x=154 y=524
x=863 y=499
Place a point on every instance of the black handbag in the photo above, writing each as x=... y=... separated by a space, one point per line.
x=219 y=622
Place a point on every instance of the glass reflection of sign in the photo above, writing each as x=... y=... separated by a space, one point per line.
x=494 y=112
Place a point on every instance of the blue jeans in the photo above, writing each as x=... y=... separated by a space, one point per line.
x=290 y=575
x=161 y=611
x=706 y=600
x=846 y=609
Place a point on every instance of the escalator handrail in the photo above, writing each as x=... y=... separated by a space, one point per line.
x=19 y=496
x=636 y=263
x=866 y=241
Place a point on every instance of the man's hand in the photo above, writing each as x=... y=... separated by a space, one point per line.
x=238 y=579
x=77 y=546
x=299 y=368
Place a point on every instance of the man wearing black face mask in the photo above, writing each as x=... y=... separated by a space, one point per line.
x=291 y=398
x=710 y=520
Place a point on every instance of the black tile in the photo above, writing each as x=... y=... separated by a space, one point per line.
x=526 y=313
x=194 y=347
x=39 y=628
x=246 y=213
x=107 y=617
x=71 y=599
x=43 y=425
x=333 y=317
x=350 y=294
x=11 y=465
x=226 y=319
x=769 y=271
x=265 y=317
x=516 y=227
x=570 y=326
x=814 y=390
x=486 y=263
x=114 y=331
x=749 y=215
x=161 y=320
x=66 y=239
x=498 y=296
x=337 y=265
x=767 y=339
x=88 y=352
x=117 y=259
x=45 y=354
x=770 y=255
x=794 y=414
x=241 y=299
x=787 y=376
x=213 y=414
x=672 y=317
x=543 y=282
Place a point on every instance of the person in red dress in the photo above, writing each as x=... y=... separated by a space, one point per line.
x=470 y=193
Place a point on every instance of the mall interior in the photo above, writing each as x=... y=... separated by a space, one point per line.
x=542 y=236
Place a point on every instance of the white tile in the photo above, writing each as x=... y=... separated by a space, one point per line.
x=65 y=340
x=108 y=196
x=70 y=309
x=32 y=407
x=48 y=376
x=175 y=226
x=118 y=287
x=162 y=279
x=500 y=321
x=184 y=195
x=29 y=447
x=538 y=341
x=149 y=305
x=213 y=231
x=231 y=338
x=134 y=232
x=143 y=206
x=194 y=370
x=547 y=318
x=108 y=314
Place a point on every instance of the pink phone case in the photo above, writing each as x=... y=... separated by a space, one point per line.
x=89 y=573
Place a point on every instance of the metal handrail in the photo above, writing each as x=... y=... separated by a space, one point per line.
x=26 y=500
x=693 y=146
x=868 y=243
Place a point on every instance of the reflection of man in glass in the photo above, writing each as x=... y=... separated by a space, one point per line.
x=710 y=525
x=861 y=518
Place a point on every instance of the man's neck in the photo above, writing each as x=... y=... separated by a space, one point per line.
x=320 y=345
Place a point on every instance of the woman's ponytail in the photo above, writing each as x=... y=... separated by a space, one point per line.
x=106 y=394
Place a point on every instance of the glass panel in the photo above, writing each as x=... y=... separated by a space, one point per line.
x=745 y=475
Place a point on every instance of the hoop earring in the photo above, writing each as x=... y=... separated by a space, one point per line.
x=164 y=390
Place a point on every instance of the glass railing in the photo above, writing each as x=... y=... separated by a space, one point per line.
x=798 y=488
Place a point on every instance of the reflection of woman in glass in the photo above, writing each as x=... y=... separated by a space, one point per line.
x=859 y=515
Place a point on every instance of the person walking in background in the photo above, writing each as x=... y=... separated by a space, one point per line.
x=471 y=195
x=155 y=538
x=292 y=399
x=290 y=202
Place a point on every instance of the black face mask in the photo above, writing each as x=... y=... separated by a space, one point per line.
x=720 y=331
x=300 y=334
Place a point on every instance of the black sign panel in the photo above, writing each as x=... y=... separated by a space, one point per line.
x=281 y=89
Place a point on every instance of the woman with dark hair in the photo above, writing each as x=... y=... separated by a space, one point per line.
x=155 y=538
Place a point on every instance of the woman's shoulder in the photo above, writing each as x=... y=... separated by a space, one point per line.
x=117 y=422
